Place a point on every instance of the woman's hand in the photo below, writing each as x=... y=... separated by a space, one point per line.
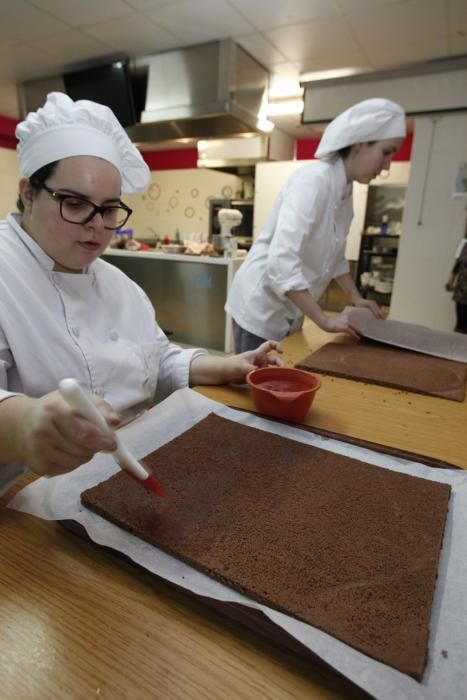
x=340 y=324
x=375 y=309
x=50 y=438
x=252 y=359
x=347 y=284
x=212 y=369
x=449 y=286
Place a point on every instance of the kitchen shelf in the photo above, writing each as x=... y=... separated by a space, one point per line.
x=380 y=254
x=378 y=257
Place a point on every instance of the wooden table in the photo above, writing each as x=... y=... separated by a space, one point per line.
x=424 y=425
x=79 y=622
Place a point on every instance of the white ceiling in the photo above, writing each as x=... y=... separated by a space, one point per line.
x=40 y=38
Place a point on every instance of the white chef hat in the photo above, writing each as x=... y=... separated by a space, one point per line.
x=63 y=128
x=370 y=120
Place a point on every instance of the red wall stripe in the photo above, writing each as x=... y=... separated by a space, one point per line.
x=306 y=148
x=405 y=151
x=171 y=159
x=174 y=159
x=7 y=132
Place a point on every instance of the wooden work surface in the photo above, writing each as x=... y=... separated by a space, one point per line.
x=79 y=622
x=423 y=425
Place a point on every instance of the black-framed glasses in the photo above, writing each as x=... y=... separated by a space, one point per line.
x=79 y=210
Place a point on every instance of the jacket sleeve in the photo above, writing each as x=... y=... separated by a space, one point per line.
x=5 y=364
x=302 y=208
x=173 y=361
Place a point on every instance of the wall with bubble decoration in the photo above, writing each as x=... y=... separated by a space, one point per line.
x=9 y=176
x=178 y=199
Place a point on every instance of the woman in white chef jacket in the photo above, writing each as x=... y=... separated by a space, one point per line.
x=301 y=247
x=66 y=313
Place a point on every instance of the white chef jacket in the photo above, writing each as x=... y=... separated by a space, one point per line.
x=98 y=327
x=302 y=246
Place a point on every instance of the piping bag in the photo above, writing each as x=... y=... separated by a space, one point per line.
x=80 y=402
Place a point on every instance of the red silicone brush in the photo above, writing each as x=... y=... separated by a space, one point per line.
x=82 y=404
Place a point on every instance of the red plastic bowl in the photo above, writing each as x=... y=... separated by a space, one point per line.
x=283 y=392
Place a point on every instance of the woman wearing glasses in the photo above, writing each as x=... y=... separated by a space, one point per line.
x=66 y=313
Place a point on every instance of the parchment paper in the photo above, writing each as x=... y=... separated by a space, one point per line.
x=445 y=676
x=450 y=345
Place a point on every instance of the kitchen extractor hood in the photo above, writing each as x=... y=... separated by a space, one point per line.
x=212 y=90
x=234 y=152
x=240 y=155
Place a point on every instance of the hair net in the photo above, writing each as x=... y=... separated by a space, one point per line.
x=370 y=120
x=63 y=128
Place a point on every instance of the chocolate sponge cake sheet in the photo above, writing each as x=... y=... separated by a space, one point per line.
x=376 y=363
x=343 y=545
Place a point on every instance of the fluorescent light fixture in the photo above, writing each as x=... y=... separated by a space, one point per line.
x=282 y=88
x=329 y=74
x=283 y=107
x=265 y=125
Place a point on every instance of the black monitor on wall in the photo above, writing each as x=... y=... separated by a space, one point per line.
x=109 y=85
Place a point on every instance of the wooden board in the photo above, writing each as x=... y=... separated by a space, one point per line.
x=375 y=363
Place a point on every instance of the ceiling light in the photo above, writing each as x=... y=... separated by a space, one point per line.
x=329 y=74
x=265 y=125
x=282 y=88
x=283 y=107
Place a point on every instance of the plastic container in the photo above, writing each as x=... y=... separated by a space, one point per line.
x=173 y=248
x=384 y=224
x=283 y=392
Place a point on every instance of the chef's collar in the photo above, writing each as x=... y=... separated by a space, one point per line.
x=343 y=189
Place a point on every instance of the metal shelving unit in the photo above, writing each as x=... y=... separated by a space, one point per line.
x=377 y=264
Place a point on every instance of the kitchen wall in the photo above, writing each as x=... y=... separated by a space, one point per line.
x=270 y=178
x=178 y=199
x=175 y=198
x=433 y=223
x=9 y=177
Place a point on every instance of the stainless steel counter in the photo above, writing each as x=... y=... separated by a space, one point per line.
x=188 y=293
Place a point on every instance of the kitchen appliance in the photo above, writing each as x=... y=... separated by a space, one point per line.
x=210 y=90
x=243 y=232
x=108 y=84
x=223 y=241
